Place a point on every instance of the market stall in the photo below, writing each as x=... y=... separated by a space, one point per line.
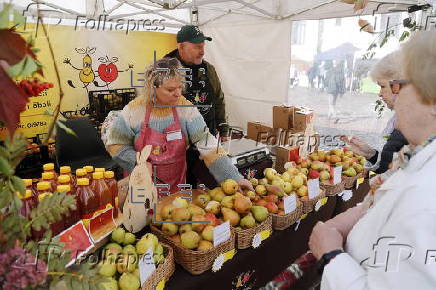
x=62 y=190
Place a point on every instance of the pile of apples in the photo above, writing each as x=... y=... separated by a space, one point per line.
x=352 y=164
x=221 y=204
x=271 y=190
x=121 y=257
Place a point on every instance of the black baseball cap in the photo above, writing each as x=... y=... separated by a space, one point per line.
x=191 y=33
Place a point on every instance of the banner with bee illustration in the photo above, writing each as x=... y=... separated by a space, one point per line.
x=88 y=61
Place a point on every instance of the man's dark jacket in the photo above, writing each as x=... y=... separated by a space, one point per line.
x=207 y=93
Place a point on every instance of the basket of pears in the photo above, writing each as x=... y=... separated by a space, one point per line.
x=274 y=190
x=321 y=167
x=352 y=165
x=238 y=208
x=294 y=181
x=189 y=229
x=121 y=256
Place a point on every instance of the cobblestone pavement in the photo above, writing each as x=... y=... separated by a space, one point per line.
x=355 y=114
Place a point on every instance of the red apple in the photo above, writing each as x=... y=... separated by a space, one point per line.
x=211 y=217
x=261 y=202
x=108 y=72
x=272 y=207
x=271 y=198
x=313 y=174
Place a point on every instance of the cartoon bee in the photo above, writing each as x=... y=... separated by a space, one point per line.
x=86 y=74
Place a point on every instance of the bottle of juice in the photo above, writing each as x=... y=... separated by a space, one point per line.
x=109 y=177
x=43 y=187
x=49 y=177
x=98 y=169
x=99 y=186
x=66 y=180
x=49 y=167
x=89 y=201
x=28 y=203
x=80 y=173
x=73 y=216
x=66 y=170
x=57 y=226
x=89 y=170
x=29 y=186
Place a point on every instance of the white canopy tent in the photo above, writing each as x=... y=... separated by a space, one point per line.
x=251 y=45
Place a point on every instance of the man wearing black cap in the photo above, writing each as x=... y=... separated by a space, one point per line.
x=204 y=90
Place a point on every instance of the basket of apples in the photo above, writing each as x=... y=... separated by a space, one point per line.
x=352 y=165
x=320 y=167
x=120 y=260
x=273 y=191
x=192 y=242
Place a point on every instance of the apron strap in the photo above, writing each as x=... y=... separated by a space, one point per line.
x=176 y=116
x=148 y=109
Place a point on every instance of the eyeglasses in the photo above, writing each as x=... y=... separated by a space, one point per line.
x=397 y=85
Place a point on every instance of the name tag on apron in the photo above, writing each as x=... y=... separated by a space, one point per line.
x=174 y=135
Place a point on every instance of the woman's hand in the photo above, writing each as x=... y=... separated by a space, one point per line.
x=359 y=146
x=324 y=239
x=244 y=184
x=345 y=221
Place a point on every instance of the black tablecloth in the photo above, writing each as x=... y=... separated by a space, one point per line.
x=273 y=256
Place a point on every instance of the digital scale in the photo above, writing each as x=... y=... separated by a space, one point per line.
x=249 y=156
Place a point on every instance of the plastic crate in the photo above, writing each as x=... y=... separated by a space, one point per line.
x=103 y=101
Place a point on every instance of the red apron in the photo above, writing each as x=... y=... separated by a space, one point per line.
x=168 y=154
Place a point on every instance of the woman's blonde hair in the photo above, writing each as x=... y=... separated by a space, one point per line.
x=388 y=68
x=419 y=64
x=155 y=74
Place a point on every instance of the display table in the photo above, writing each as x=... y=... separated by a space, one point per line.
x=273 y=256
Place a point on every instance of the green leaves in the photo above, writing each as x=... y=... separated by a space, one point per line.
x=25 y=68
x=50 y=209
x=405 y=35
x=65 y=128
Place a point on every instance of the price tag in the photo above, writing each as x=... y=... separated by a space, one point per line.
x=359 y=182
x=175 y=135
x=259 y=237
x=290 y=203
x=313 y=188
x=160 y=285
x=320 y=203
x=337 y=175
x=221 y=233
x=146 y=266
x=346 y=195
x=221 y=259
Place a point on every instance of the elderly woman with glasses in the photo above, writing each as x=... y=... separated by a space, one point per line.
x=163 y=118
x=389 y=242
x=385 y=70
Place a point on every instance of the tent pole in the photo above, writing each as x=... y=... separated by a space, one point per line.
x=249 y=5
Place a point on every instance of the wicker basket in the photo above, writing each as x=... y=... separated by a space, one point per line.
x=308 y=205
x=349 y=181
x=282 y=222
x=163 y=272
x=332 y=190
x=196 y=262
x=244 y=238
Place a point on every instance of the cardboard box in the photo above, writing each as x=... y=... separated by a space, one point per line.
x=263 y=133
x=285 y=154
x=283 y=117
x=302 y=117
